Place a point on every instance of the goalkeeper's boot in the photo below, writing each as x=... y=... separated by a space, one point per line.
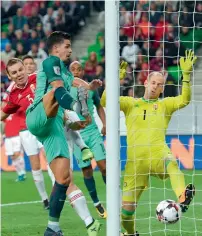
x=101 y=211
x=50 y=232
x=126 y=234
x=186 y=197
x=94 y=228
x=87 y=155
x=82 y=94
x=46 y=204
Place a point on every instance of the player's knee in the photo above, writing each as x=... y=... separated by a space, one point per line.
x=102 y=166
x=16 y=155
x=87 y=171
x=64 y=180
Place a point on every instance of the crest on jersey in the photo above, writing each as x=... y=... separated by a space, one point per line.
x=19 y=96
x=155 y=106
x=32 y=87
x=56 y=70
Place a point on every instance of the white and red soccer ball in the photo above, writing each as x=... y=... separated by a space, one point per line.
x=168 y=212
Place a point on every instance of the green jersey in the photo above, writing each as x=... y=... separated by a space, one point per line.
x=51 y=69
x=93 y=99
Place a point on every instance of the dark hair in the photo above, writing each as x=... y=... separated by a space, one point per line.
x=27 y=57
x=57 y=37
x=12 y=62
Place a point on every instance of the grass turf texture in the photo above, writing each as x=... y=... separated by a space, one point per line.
x=31 y=219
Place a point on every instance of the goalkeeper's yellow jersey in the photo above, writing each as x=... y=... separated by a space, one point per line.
x=147 y=122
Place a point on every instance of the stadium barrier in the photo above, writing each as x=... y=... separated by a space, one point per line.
x=187 y=149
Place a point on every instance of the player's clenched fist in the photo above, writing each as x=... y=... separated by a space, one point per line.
x=187 y=63
x=122 y=70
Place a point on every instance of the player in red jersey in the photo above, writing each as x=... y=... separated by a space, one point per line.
x=13 y=147
x=20 y=97
x=29 y=63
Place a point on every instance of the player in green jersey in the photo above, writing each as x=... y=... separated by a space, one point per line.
x=93 y=139
x=45 y=119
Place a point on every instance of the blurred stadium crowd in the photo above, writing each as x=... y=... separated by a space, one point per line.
x=152 y=36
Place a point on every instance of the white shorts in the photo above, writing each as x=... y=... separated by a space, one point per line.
x=30 y=143
x=12 y=145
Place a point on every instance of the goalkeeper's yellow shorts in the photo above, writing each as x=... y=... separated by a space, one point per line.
x=137 y=174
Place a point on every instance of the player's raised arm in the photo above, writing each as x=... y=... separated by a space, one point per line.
x=125 y=102
x=186 y=65
x=93 y=85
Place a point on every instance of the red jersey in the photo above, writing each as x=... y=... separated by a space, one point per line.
x=19 y=100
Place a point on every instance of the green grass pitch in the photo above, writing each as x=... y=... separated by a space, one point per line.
x=23 y=219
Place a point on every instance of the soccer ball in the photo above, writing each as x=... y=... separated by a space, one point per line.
x=168 y=212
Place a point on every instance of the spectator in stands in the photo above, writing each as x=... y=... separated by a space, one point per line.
x=26 y=32
x=42 y=9
x=19 y=20
x=124 y=16
x=34 y=19
x=198 y=15
x=130 y=52
x=122 y=39
x=148 y=51
x=170 y=89
x=12 y=10
x=4 y=41
x=158 y=63
x=42 y=45
x=154 y=41
x=39 y=30
x=34 y=39
x=186 y=18
x=154 y=14
x=144 y=25
x=18 y=39
x=28 y=6
x=161 y=28
x=91 y=63
x=142 y=75
x=138 y=37
x=49 y=19
x=129 y=28
x=7 y=54
x=20 y=52
x=38 y=54
x=11 y=33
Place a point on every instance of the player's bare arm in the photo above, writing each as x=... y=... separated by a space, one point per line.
x=101 y=114
x=4 y=115
x=77 y=82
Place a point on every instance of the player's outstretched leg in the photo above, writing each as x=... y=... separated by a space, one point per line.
x=186 y=197
x=184 y=194
x=91 y=187
x=85 y=151
x=78 y=202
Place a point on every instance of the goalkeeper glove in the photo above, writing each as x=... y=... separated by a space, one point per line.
x=122 y=70
x=186 y=64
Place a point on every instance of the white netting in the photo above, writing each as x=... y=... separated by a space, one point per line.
x=153 y=36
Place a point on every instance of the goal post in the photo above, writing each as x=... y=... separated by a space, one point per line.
x=112 y=116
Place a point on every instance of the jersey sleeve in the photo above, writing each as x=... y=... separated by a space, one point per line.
x=175 y=103
x=10 y=108
x=96 y=98
x=126 y=103
x=52 y=69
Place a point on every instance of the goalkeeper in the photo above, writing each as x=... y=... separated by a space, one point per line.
x=147 y=119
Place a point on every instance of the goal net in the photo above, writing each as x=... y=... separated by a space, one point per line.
x=152 y=37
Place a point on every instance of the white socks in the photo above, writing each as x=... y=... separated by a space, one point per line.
x=78 y=202
x=51 y=175
x=39 y=182
x=77 y=139
x=19 y=164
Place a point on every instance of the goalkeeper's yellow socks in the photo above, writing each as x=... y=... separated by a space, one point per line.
x=176 y=177
x=128 y=221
